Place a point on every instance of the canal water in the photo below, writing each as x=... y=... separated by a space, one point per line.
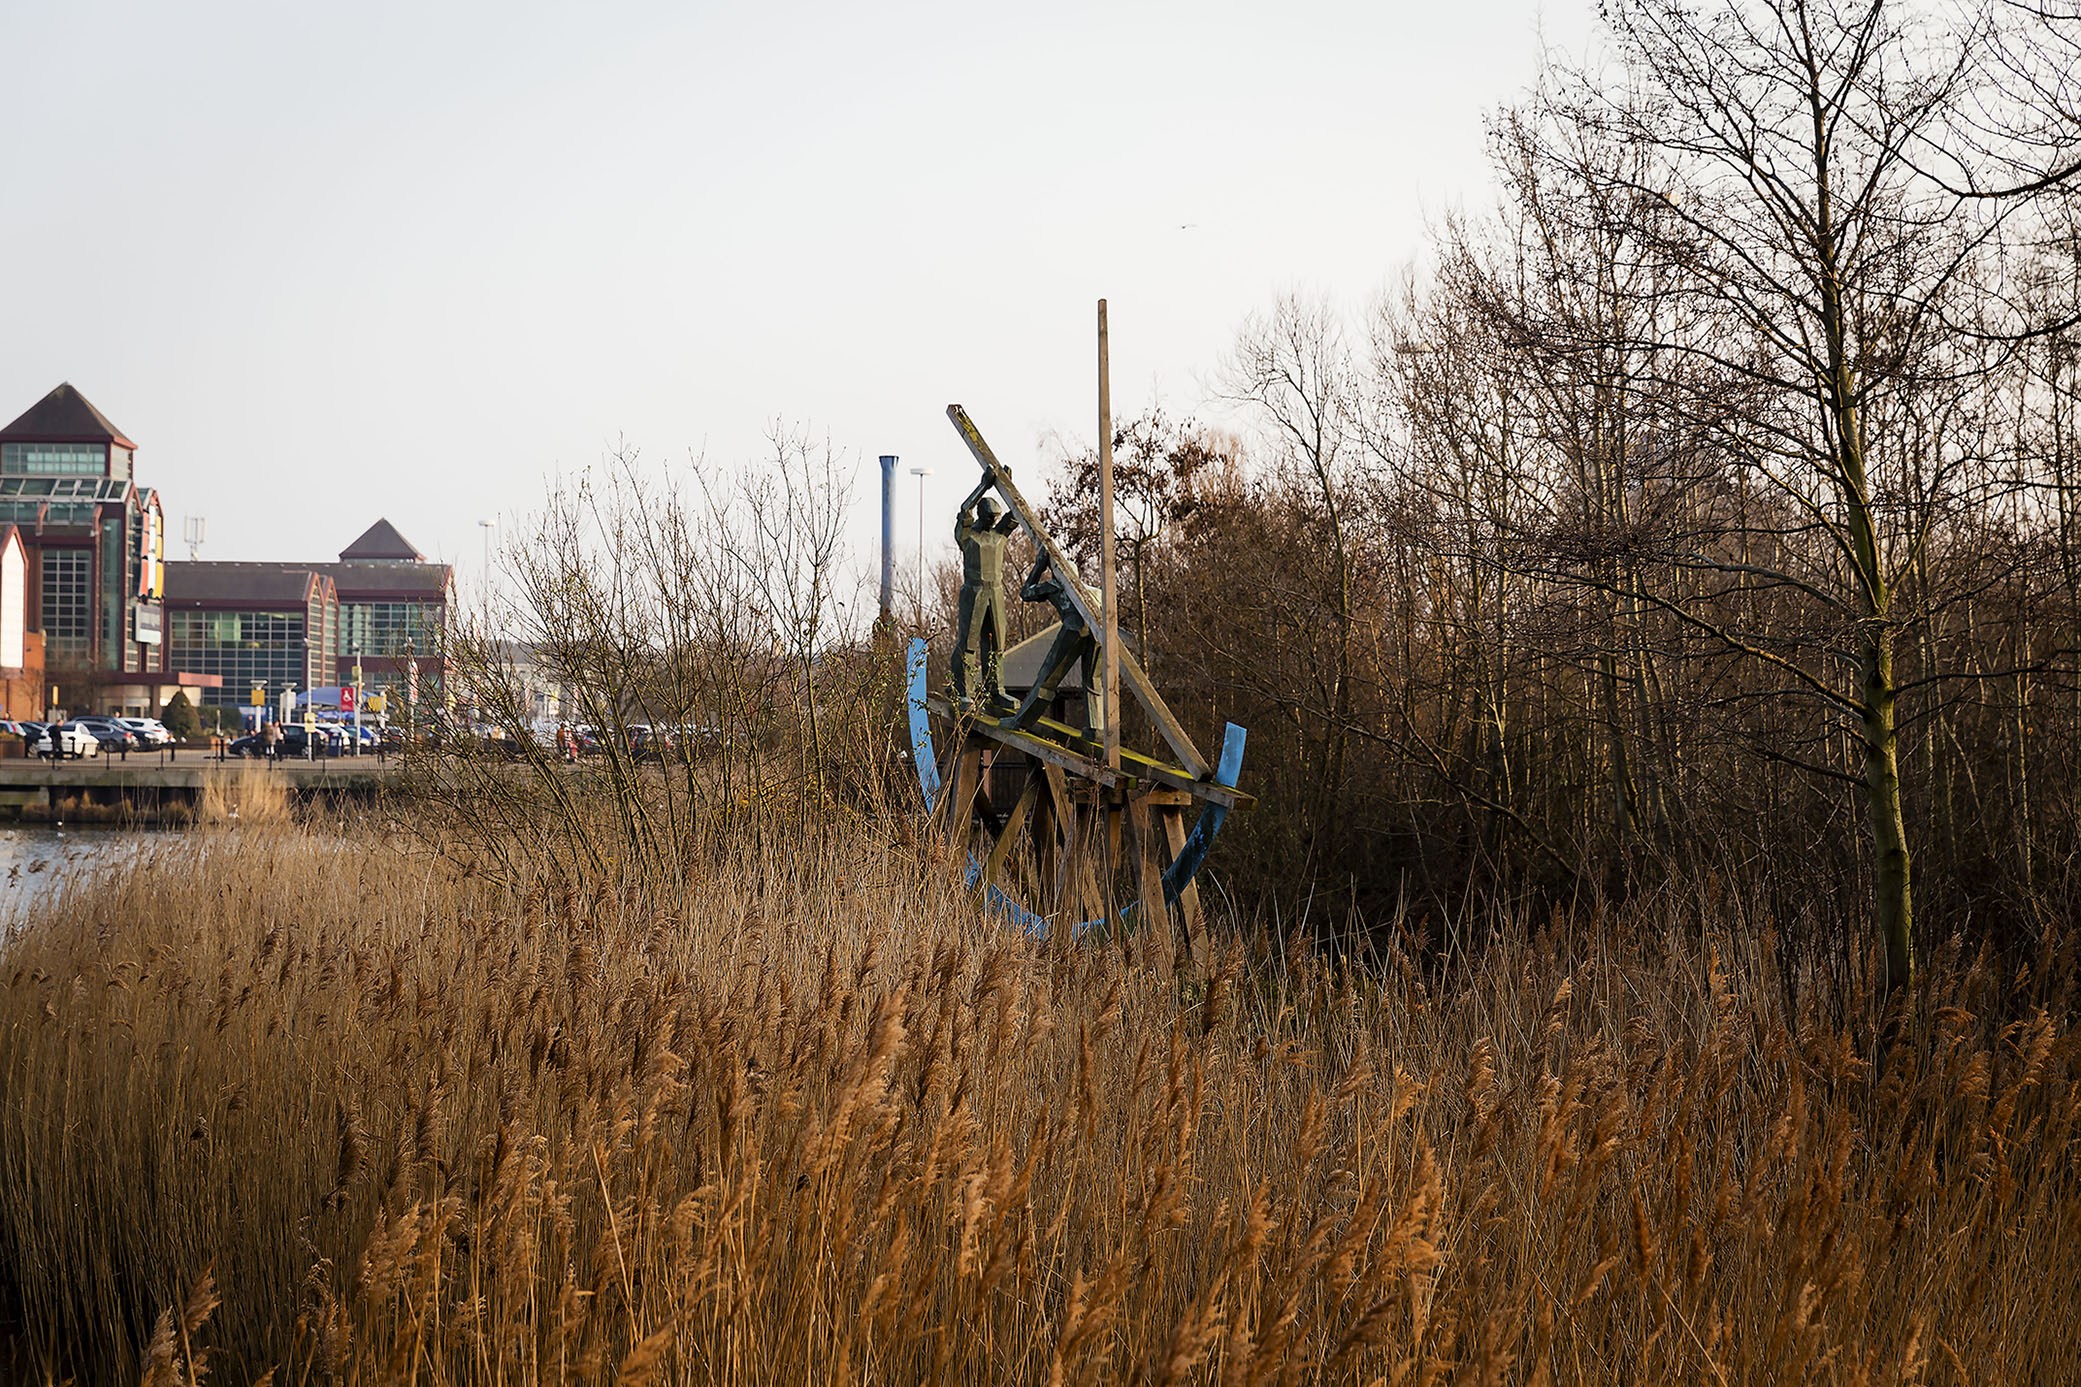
x=39 y=860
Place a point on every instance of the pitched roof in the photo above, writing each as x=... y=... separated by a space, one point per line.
x=388 y=579
x=64 y=416
x=381 y=541
x=213 y=583
x=1019 y=666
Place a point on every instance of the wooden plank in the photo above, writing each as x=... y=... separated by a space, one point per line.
x=1159 y=939
x=1039 y=747
x=1177 y=779
x=1012 y=828
x=1044 y=830
x=967 y=781
x=1134 y=765
x=1188 y=898
x=1173 y=732
x=1065 y=810
x=1108 y=575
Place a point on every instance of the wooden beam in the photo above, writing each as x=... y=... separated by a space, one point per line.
x=1012 y=828
x=966 y=781
x=1044 y=830
x=1188 y=898
x=1158 y=936
x=1066 y=818
x=1033 y=746
x=1109 y=576
x=1088 y=606
x=1135 y=767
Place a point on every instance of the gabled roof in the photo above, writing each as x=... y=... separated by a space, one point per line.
x=64 y=416
x=217 y=583
x=381 y=541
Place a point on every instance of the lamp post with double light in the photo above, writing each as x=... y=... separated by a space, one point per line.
x=921 y=473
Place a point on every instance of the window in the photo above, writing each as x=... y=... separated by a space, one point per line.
x=246 y=648
x=113 y=592
x=33 y=514
x=384 y=628
x=68 y=601
x=54 y=459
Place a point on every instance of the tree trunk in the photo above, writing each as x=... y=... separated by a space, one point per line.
x=1893 y=904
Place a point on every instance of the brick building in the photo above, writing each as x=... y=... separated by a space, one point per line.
x=93 y=552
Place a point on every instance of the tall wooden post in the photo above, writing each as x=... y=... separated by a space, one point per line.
x=1109 y=577
x=1109 y=584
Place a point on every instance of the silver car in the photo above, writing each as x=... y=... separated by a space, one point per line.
x=152 y=731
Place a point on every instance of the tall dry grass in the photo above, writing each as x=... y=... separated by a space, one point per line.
x=249 y=793
x=347 y=1116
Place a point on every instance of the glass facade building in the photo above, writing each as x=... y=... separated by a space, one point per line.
x=92 y=537
x=252 y=625
x=268 y=650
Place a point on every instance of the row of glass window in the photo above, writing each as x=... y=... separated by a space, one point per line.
x=68 y=600
x=67 y=488
x=54 y=459
x=32 y=513
x=385 y=628
x=254 y=629
x=244 y=649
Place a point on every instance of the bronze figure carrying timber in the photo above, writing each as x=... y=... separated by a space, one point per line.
x=1073 y=645
x=1043 y=817
x=981 y=529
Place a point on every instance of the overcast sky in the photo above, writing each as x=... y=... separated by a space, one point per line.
x=325 y=263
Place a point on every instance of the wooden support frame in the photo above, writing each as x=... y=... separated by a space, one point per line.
x=1073 y=822
x=1159 y=939
x=1189 y=913
x=1013 y=826
x=1134 y=767
x=1197 y=767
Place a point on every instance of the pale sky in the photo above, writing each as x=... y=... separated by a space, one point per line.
x=326 y=263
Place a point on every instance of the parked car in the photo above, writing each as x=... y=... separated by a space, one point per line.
x=31 y=733
x=111 y=733
x=74 y=739
x=253 y=744
x=153 y=731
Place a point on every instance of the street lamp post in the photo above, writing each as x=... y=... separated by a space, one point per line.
x=487 y=526
x=921 y=473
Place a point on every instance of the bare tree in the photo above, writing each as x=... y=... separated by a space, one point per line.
x=1811 y=274
x=1293 y=369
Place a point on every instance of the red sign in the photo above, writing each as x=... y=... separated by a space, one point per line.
x=347 y=699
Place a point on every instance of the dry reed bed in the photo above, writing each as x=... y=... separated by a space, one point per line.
x=812 y=1119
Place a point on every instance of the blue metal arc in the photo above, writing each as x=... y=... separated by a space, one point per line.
x=1182 y=869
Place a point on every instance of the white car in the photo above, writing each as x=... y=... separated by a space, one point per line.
x=151 y=730
x=68 y=739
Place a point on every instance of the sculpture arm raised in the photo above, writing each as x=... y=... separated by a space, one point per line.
x=982 y=488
